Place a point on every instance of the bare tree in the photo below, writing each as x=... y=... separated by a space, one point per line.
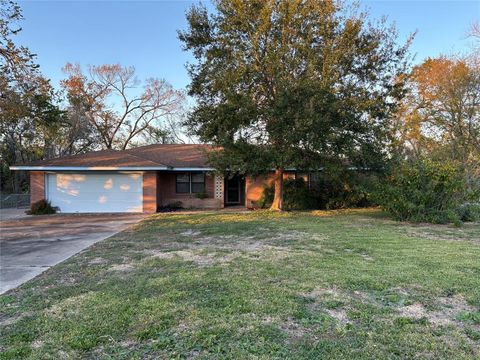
x=474 y=30
x=116 y=104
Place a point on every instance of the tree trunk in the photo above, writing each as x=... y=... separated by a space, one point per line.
x=277 y=203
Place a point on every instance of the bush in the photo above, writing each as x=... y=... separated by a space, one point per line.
x=469 y=212
x=41 y=207
x=426 y=191
x=339 y=188
x=331 y=189
x=172 y=206
x=202 y=195
x=296 y=195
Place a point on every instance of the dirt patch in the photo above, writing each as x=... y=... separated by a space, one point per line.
x=98 y=261
x=340 y=315
x=122 y=267
x=447 y=310
x=444 y=232
x=199 y=258
x=318 y=297
x=68 y=307
x=294 y=330
x=37 y=344
x=414 y=311
x=190 y=232
x=339 y=294
x=223 y=249
x=129 y=343
x=10 y=320
x=366 y=257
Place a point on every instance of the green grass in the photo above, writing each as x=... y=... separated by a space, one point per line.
x=317 y=285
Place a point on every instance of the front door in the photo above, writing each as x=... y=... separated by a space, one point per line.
x=232 y=191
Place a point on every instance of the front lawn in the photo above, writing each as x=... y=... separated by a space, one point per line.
x=262 y=285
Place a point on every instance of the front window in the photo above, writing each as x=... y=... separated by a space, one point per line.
x=198 y=183
x=190 y=183
x=183 y=183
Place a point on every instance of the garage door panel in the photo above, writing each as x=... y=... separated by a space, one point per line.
x=118 y=192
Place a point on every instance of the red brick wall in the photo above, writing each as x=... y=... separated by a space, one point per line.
x=168 y=193
x=149 y=192
x=254 y=188
x=37 y=186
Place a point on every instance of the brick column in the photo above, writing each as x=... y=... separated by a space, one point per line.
x=37 y=186
x=150 y=192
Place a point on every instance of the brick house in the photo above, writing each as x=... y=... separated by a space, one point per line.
x=142 y=179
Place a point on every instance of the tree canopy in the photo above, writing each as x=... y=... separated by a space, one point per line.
x=281 y=83
x=441 y=114
x=107 y=107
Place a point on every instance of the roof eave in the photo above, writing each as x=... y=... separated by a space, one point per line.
x=107 y=168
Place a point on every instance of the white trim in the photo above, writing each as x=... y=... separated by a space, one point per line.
x=141 y=168
x=191 y=169
x=89 y=168
x=107 y=168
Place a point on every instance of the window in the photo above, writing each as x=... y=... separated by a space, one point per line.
x=198 y=183
x=183 y=183
x=190 y=183
x=302 y=176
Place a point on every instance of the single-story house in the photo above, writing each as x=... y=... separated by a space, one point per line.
x=142 y=179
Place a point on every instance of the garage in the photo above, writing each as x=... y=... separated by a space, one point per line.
x=95 y=192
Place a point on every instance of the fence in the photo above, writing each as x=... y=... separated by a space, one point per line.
x=14 y=201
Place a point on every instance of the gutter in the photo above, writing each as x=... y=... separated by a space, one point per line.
x=107 y=168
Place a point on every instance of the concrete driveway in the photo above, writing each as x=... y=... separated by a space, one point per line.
x=29 y=245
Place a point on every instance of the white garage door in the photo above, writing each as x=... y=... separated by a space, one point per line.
x=95 y=192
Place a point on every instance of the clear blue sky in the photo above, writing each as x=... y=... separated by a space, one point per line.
x=143 y=34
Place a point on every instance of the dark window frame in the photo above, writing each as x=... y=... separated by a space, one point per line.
x=197 y=182
x=190 y=183
x=182 y=182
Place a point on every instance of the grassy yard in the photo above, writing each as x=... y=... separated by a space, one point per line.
x=261 y=285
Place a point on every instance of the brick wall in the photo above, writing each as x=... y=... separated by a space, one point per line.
x=255 y=187
x=149 y=192
x=37 y=186
x=168 y=193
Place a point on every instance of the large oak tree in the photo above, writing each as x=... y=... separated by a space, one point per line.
x=291 y=83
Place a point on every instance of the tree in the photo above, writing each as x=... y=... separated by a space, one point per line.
x=281 y=83
x=16 y=61
x=115 y=106
x=27 y=101
x=444 y=108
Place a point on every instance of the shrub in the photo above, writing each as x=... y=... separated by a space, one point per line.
x=331 y=189
x=469 y=212
x=201 y=195
x=172 y=206
x=426 y=191
x=296 y=196
x=41 y=207
x=339 y=188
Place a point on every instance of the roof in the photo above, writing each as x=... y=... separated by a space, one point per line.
x=150 y=157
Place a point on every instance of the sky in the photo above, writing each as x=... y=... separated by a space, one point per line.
x=144 y=34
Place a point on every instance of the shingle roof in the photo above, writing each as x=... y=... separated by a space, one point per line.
x=175 y=155
x=158 y=155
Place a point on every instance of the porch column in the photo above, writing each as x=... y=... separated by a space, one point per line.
x=219 y=189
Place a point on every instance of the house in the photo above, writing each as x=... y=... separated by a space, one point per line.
x=142 y=179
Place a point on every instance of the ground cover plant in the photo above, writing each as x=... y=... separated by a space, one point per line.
x=265 y=285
